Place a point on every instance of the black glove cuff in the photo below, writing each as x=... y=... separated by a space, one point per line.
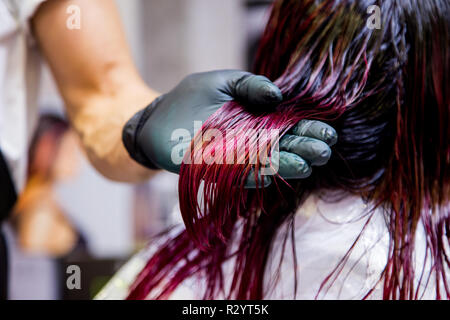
x=131 y=131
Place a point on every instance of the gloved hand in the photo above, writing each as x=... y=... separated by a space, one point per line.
x=148 y=134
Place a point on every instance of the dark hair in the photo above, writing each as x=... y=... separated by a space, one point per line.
x=385 y=91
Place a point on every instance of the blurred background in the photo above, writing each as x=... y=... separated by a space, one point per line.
x=69 y=214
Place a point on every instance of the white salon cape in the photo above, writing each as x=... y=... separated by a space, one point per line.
x=19 y=84
x=324 y=232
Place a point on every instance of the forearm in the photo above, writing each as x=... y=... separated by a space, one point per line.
x=99 y=119
x=97 y=79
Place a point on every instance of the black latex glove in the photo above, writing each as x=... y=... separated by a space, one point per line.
x=148 y=134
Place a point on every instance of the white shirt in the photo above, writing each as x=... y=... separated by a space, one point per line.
x=324 y=232
x=19 y=83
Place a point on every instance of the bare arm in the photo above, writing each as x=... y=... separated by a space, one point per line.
x=97 y=79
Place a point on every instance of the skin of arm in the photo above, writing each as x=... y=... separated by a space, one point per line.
x=97 y=79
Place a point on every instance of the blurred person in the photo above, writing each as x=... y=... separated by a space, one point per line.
x=105 y=97
x=38 y=219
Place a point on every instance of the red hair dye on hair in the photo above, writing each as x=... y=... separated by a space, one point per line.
x=372 y=86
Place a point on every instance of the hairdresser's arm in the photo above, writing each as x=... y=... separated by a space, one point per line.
x=97 y=80
x=102 y=90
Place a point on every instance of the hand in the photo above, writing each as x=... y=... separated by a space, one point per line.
x=147 y=136
x=307 y=144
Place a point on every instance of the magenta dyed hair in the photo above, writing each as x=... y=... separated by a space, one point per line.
x=386 y=93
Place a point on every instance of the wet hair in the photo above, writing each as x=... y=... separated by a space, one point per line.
x=385 y=91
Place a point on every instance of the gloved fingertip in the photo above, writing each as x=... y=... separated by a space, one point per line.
x=330 y=136
x=272 y=93
x=292 y=166
x=257 y=90
x=323 y=156
x=251 y=182
x=317 y=130
x=267 y=181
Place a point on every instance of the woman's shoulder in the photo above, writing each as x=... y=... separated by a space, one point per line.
x=341 y=247
x=119 y=285
x=333 y=234
x=344 y=238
